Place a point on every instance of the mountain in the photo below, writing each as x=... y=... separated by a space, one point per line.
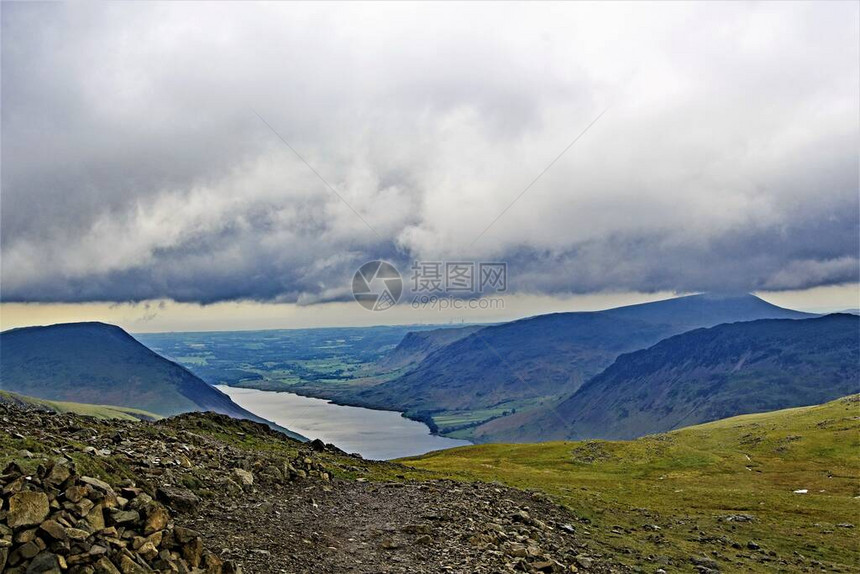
x=519 y=364
x=97 y=411
x=101 y=364
x=416 y=345
x=705 y=375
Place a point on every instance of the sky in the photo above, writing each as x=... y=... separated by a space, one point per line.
x=176 y=166
x=166 y=316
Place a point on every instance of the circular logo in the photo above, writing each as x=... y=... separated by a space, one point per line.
x=377 y=285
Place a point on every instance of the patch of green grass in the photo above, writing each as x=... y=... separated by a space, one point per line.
x=459 y=418
x=107 y=468
x=462 y=423
x=197 y=360
x=688 y=481
x=97 y=411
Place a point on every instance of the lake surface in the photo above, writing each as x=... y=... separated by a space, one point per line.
x=378 y=435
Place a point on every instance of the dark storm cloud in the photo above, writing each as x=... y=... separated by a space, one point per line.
x=135 y=167
x=801 y=255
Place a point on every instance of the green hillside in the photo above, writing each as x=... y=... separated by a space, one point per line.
x=417 y=345
x=699 y=376
x=667 y=498
x=97 y=411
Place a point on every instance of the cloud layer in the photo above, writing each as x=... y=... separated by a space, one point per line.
x=135 y=166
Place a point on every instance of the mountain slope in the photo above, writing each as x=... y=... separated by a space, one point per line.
x=98 y=411
x=101 y=364
x=705 y=375
x=729 y=483
x=550 y=356
x=416 y=345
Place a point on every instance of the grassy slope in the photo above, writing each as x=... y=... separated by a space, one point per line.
x=699 y=376
x=687 y=481
x=97 y=411
x=416 y=345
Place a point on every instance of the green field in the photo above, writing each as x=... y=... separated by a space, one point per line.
x=669 y=497
x=460 y=424
x=97 y=411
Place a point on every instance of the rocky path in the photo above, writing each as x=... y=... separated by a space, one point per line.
x=395 y=527
x=261 y=503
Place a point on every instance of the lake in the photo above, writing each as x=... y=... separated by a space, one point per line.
x=378 y=435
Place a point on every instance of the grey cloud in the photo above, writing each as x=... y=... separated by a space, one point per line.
x=134 y=166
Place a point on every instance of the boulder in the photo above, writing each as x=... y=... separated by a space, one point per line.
x=98 y=484
x=245 y=478
x=27 y=509
x=105 y=566
x=96 y=518
x=179 y=498
x=156 y=520
x=53 y=530
x=44 y=563
x=59 y=473
x=124 y=516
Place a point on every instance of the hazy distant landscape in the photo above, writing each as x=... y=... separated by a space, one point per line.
x=295 y=359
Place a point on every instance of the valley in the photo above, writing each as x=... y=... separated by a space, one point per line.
x=481 y=383
x=316 y=362
x=333 y=364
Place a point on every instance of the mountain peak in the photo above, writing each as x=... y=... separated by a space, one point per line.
x=100 y=363
x=86 y=325
x=707 y=309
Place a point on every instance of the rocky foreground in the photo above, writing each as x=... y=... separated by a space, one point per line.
x=205 y=493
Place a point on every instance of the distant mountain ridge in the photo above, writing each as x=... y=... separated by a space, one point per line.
x=416 y=345
x=101 y=364
x=547 y=357
x=704 y=375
